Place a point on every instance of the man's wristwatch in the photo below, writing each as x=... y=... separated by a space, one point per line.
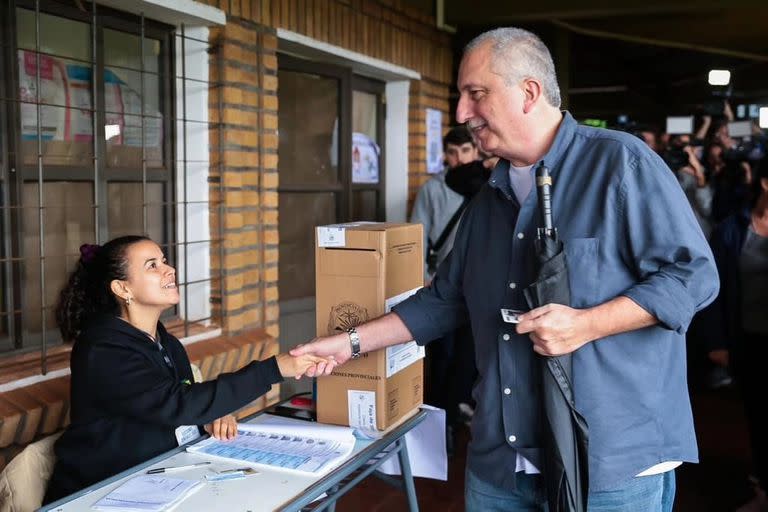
x=354 y=341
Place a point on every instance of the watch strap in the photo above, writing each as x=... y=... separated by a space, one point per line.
x=354 y=341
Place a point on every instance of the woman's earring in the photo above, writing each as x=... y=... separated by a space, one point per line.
x=128 y=301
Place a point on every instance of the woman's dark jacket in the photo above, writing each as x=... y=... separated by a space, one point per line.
x=126 y=401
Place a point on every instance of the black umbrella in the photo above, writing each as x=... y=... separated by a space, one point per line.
x=566 y=436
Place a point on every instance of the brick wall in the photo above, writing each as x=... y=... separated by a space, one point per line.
x=424 y=94
x=390 y=30
x=243 y=110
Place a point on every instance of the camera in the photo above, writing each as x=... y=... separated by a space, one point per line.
x=675 y=158
x=747 y=150
x=713 y=108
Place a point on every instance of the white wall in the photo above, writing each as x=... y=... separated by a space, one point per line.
x=396 y=151
x=194 y=263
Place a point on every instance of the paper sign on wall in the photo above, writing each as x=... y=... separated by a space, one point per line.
x=365 y=159
x=434 y=141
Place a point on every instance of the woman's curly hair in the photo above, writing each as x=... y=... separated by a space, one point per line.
x=88 y=292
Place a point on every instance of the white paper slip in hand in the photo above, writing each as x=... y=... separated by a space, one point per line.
x=511 y=316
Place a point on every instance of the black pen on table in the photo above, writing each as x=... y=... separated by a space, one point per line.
x=176 y=468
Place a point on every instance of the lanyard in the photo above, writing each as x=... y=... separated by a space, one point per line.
x=166 y=358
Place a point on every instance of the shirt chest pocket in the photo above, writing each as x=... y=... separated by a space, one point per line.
x=581 y=255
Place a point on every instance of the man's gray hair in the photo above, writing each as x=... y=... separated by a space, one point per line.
x=519 y=54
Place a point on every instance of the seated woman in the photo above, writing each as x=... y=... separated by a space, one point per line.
x=132 y=385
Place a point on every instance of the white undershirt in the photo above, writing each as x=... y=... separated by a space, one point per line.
x=521 y=182
x=523 y=464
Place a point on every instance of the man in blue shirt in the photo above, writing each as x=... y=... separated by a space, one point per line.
x=639 y=268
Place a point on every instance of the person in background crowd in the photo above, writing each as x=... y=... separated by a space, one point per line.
x=690 y=173
x=648 y=136
x=737 y=324
x=437 y=204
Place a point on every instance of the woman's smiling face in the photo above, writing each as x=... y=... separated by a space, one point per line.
x=151 y=280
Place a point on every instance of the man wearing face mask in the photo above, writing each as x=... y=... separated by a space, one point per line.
x=438 y=206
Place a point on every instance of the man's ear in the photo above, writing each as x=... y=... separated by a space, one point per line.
x=532 y=91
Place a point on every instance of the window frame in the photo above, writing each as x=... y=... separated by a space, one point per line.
x=14 y=339
x=348 y=82
x=6 y=340
x=363 y=84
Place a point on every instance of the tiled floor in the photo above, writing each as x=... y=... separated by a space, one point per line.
x=717 y=484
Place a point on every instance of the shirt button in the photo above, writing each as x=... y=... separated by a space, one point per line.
x=505 y=337
x=520 y=236
x=507 y=391
x=512 y=439
x=512 y=285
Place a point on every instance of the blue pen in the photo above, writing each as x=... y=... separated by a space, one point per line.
x=231 y=474
x=176 y=468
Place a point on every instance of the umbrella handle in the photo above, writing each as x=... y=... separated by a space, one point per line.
x=544 y=184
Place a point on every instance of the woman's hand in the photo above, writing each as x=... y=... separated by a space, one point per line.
x=223 y=428
x=297 y=366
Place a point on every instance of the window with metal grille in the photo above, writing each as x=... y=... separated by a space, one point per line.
x=104 y=131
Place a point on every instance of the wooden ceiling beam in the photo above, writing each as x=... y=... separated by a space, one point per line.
x=495 y=13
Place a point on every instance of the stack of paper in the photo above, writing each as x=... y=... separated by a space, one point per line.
x=304 y=447
x=148 y=493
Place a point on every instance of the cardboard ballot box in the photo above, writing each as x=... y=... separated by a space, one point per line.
x=362 y=271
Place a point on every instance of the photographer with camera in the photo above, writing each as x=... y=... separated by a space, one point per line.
x=732 y=162
x=682 y=160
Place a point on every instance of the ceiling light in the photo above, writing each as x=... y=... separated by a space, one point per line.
x=719 y=77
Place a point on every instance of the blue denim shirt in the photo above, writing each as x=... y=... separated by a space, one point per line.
x=628 y=230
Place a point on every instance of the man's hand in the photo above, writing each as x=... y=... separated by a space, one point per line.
x=375 y=334
x=555 y=329
x=337 y=349
x=223 y=428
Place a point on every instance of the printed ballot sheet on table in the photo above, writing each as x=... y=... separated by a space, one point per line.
x=312 y=448
x=148 y=493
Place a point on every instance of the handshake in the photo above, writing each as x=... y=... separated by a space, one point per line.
x=321 y=355
x=318 y=357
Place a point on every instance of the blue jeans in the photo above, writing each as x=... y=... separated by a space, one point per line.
x=655 y=493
